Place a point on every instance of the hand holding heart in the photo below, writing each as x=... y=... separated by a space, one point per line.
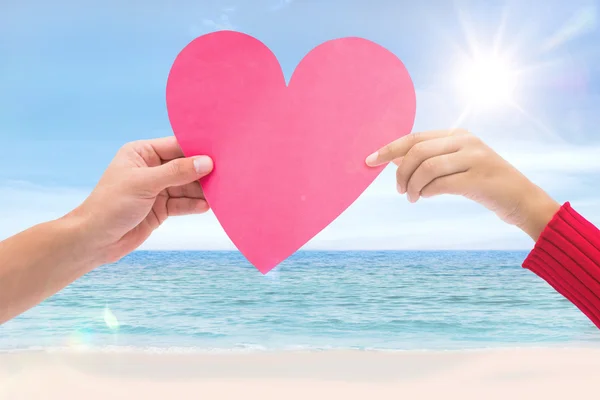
x=290 y=157
x=147 y=182
x=458 y=163
x=150 y=180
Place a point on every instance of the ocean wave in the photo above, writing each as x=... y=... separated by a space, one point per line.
x=406 y=302
x=250 y=349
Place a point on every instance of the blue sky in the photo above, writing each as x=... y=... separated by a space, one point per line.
x=77 y=82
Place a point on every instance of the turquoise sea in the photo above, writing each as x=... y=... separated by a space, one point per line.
x=216 y=301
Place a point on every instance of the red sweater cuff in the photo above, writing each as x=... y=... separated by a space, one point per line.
x=567 y=256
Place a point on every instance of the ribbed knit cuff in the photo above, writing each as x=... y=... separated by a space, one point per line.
x=567 y=256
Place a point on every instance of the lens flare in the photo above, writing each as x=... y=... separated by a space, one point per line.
x=79 y=340
x=585 y=20
x=110 y=319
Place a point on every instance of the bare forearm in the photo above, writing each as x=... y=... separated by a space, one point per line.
x=537 y=209
x=41 y=261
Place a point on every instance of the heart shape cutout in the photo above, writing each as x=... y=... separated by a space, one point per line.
x=289 y=159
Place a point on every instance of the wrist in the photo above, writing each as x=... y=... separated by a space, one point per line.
x=76 y=229
x=538 y=209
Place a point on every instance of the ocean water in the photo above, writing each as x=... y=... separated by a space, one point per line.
x=216 y=301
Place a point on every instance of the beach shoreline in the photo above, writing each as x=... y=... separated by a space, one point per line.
x=498 y=373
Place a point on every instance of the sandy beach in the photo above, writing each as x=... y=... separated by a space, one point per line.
x=494 y=374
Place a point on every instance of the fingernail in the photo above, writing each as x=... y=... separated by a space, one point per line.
x=399 y=188
x=203 y=164
x=202 y=205
x=372 y=159
x=409 y=198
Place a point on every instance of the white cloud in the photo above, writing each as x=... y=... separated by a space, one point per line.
x=189 y=233
x=393 y=223
x=281 y=4
x=379 y=219
x=223 y=22
x=555 y=159
x=23 y=205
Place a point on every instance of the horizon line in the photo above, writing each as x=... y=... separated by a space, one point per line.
x=333 y=250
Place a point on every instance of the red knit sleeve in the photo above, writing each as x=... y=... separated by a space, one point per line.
x=567 y=256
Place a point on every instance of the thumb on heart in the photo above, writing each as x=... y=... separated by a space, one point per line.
x=177 y=172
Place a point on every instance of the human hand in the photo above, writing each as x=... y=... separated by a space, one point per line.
x=147 y=182
x=457 y=162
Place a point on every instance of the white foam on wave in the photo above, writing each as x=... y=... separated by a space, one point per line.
x=250 y=348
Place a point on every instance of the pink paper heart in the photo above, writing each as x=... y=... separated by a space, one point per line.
x=288 y=159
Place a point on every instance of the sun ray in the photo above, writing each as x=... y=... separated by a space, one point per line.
x=462 y=117
x=484 y=78
x=584 y=20
x=502 y=74
x=469 y=35
x=536 y=121
x=531 y=68
x=499 y=36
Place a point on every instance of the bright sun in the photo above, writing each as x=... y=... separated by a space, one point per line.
x=487 y=81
